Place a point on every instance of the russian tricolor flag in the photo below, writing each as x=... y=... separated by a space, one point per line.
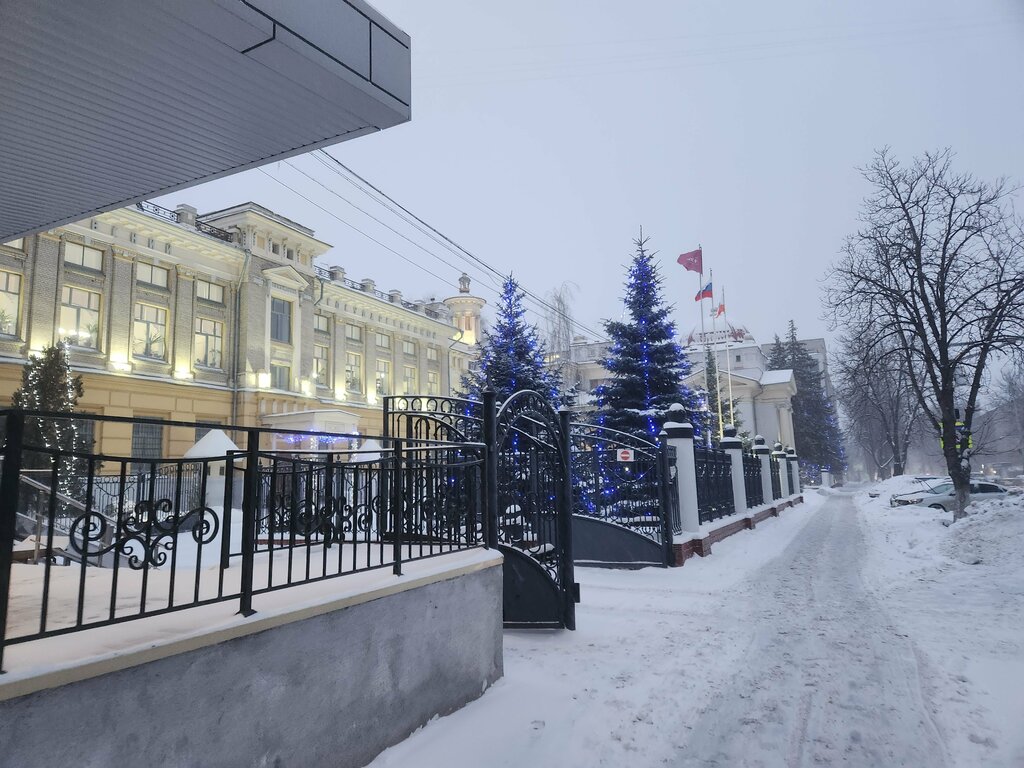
x=705 y=293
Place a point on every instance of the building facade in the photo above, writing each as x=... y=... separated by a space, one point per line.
x=224 y=318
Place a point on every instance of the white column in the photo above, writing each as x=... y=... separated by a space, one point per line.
x=733 y=446
x=680 y=437
x=762 y=453
x=826 y=479
x=794 y=471
x=780 y=455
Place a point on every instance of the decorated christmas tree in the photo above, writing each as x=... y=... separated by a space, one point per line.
x=47 y=384
x=646 y=364
x=512 y=356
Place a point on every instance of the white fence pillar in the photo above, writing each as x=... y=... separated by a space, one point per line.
x=680 y=436
x=763 y=455
x=794 y=471
x=780 y=455
x=733 y=446
x=826 y=479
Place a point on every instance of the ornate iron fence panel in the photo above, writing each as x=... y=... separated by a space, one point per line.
x=752 y=480
x=533 y=512
x=776 y=479
x=714 y=483
x=143 y=537
x=622 y=480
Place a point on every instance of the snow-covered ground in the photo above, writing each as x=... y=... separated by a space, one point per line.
x=958 y=592
x=843 y=633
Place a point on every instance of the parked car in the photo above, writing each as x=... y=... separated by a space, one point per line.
x=941 y=495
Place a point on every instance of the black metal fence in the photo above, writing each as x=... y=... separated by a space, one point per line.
x=115 y=543
x=714 y=484
x=752 y=480
x=776 y=477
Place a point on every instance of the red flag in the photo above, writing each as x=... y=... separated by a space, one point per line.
x=721 y=310
x=704 y=293
x=692 y=261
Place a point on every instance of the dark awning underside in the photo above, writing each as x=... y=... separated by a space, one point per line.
x=107 y=102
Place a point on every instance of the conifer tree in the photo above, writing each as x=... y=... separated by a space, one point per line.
x=819 y=441
x=47 y=384
x=646 y=364
x=512 y=356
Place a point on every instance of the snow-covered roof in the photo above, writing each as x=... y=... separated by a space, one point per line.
x=782 y=376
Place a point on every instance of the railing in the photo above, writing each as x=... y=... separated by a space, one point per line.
x=627 y=493
x=776 y=477
x=173 y=216
x=714 y=484
x=752 y=480
x=190 y=532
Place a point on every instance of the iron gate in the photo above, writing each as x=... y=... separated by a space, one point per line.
x=622 y=499
x=527 y=500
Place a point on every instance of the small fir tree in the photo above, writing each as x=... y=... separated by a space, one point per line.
x=47 y=384
x=512 y=356
x=646 y=364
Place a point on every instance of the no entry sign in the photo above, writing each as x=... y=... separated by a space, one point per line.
x=624 y=454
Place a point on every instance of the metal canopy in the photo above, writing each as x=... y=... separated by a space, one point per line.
x=107 y=102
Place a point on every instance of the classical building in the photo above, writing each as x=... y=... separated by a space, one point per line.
x=762 y=396
x=223 y=317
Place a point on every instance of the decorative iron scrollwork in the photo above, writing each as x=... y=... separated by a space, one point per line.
x=145 y=535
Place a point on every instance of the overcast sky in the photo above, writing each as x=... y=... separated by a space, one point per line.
x=544 y=134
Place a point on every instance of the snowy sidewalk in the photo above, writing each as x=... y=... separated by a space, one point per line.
x=652 y=649
x=796 y=644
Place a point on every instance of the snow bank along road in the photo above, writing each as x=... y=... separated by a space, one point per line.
x=772 y=652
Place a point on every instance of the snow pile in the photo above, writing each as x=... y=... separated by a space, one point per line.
x=957 y=590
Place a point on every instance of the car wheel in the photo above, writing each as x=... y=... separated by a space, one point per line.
x=937 y=506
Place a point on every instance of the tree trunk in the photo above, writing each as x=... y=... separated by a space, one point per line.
x=960 y=473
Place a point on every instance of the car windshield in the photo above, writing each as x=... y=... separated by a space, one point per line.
x=941 y=488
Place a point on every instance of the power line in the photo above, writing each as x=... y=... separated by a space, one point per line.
x=451 y=243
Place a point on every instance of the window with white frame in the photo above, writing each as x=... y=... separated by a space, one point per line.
x=409 y=379
x=83 y=256
x=281 y=320
x=354 y=333
x=208 y=342
x=383 y=341
x=431 y=354
x=280 y=376
x=321 y=323
x=383 y=377
x=10 y=302
x=321 y=365
x=409 y=348
x=150 y=274
x=353 y=372
x=208 y=291
x=149 y=332
x=80 y=317
x=433 y=383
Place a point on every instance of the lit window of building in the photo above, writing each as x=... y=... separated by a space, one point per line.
x=353 y=372
x=10 y=303
x=208 y=291
x=321 y=365
x=209 y=338
x=80 y=317
x=83 y=256
x=149 y=332
x=409 y=380
x=433 y=383
x=151 y=275
x=383 y=377
x=383 y=341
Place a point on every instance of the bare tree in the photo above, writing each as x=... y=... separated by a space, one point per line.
x=559 y=335
x=938 y=266
x=875 y=387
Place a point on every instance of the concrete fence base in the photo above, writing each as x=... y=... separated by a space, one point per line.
x=702 y=546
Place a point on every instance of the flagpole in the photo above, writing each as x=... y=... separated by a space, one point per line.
x=714 y=351
x=728 y=357
x=700 y=305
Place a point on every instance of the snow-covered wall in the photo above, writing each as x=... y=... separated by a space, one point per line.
x=334 y=689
